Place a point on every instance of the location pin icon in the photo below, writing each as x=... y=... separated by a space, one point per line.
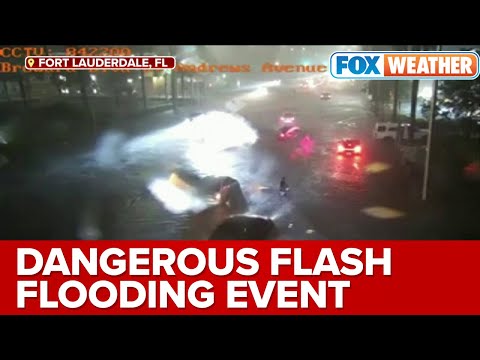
x=30 y=62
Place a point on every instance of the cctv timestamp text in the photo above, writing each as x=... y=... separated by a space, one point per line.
x=98 y=51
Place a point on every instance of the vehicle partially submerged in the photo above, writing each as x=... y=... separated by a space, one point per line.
x=288 y=132
x=216 y=190
x=325 y=96
x=245 y=227
x=287 y=118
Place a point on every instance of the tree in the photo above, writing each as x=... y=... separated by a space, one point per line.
x=462 y=97
x=457 y=100
x=20 y=78
x=381 y=92
x=5 y=90
x=144 y=50
x=404 y=88
x=59 y=79
x=115 y=83
x=396 y=90
x=6 y=78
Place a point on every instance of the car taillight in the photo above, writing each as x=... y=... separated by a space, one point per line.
x=357 y=149
x=340 y=148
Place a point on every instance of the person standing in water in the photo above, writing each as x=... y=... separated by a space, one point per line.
x=283 y=186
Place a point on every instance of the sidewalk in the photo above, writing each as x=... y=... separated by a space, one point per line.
x=450 y=210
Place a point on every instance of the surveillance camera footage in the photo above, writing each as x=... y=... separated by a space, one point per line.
x=236 y=142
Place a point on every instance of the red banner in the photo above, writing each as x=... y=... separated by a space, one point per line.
x=240 y=277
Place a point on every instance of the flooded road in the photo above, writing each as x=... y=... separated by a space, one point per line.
x=119 y=189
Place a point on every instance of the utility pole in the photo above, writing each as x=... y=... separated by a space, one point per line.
x=144 y=90
x=84 y=80
x=413 y=101
x=395 y=101
x=23 y=90
x=173 y=80
x=433 y=107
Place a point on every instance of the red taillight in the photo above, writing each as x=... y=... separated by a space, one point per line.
x=340 y=148
x=357 y=149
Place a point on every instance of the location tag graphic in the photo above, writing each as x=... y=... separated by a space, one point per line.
x=30 y=62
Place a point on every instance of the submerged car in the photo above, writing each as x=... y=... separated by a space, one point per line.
x=229 y=193
x=287 y=117
x=325 y=96
x=245 y=227
x=211 y=190
x=349 y=147
x=288 y=132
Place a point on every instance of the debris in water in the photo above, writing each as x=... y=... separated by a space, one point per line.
x=382 y=212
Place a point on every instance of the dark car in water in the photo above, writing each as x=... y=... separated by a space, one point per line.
x=245 y=227
x=288 y=132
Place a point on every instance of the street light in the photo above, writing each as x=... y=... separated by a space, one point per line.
x=429 y=136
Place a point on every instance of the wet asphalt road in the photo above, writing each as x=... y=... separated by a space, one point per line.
x=331 y=193
x=103 y=193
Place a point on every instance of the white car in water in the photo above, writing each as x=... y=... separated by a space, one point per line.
x=389 y=131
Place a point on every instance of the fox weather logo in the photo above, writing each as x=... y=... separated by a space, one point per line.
x=352 y=65
x=459 y=65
